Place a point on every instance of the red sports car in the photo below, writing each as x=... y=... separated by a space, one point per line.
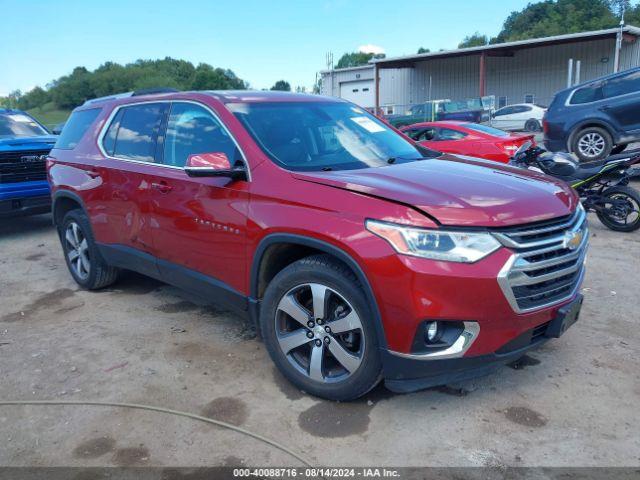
x=466 y=138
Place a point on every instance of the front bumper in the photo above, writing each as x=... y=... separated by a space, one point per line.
x=404 y=374
x=24 y=198
x=18 y=207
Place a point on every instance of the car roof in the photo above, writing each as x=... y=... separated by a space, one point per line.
x=439 y=123
x=224 y=96
x=256 y=96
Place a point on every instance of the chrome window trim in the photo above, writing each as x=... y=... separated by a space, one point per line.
x=115 y=111
x=468 y=336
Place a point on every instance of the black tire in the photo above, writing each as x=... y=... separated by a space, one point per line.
x=99 y=273
x=592 y=144
x=616 y=222
x=325 y=271
x=618 y=149
x=532 y=125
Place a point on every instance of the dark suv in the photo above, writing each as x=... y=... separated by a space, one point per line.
x=596 y=118
x=360 y=255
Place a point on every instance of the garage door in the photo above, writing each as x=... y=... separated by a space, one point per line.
x=359 y=92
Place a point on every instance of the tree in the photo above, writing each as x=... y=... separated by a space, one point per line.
x=475 y=40
x=356 y=59
x=109 y=78
x=281 y=85
x=12 y=100
x=557 y=17
x=423 y=50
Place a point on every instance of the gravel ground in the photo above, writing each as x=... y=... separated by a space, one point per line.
x=571 y=403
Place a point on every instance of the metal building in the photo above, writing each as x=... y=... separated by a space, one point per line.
x=527 y=71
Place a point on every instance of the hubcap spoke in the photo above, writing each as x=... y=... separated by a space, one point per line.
x=319 y=294
x=76 y=233
x=293 y=340
x=291 y=307
x=73 y=255
x=84 y=261
x=315 y=365
x=346 y=359
x=70 y=238
x=346 y=324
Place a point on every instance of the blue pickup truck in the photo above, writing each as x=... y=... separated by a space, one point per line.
x=24 y=146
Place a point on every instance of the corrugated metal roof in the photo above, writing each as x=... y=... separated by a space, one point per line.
x=630 y=29
x=347 y=69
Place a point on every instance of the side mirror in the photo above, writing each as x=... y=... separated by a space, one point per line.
x=214 y=164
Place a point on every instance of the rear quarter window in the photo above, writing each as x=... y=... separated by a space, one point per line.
x=133 y=132
x=76 y=127
x=588 y=94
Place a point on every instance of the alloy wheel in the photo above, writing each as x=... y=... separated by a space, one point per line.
x=591 y=144
x=77 y=249
x=320 y=333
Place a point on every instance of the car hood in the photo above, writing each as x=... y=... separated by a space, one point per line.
x=459 y=191
x=27 y=143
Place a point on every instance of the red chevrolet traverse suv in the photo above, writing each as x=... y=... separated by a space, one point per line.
x=359 y=254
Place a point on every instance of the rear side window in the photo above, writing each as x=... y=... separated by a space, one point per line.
x=134 y=131
x=448 y=134
x=76 y=127
x=588 y=94
x=622 y=85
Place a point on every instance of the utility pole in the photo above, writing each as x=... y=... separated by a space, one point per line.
x=616 y=57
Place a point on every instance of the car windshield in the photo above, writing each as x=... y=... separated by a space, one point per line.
x=324 y=136
x=17 y=124
x=488 y=130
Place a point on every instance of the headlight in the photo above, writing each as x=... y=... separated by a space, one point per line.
x=450 y=246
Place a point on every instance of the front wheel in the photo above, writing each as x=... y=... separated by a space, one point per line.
x=319 y=329
x=620 y=209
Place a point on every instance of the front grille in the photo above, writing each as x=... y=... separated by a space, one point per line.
x=548 y=261
x=23 y=166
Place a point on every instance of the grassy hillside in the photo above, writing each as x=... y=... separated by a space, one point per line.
x=48 y=115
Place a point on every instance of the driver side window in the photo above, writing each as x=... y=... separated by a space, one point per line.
x=192 y=130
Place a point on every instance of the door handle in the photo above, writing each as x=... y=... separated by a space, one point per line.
x=162 y=187
x=93 y=173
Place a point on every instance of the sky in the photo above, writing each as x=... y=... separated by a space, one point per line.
x=261 y=41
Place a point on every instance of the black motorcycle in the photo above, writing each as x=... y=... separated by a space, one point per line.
x=603 y=186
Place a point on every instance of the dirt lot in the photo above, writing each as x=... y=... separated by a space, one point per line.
x=574 y=402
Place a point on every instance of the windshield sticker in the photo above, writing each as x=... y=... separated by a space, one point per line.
x=21 y=118
x=368 y=124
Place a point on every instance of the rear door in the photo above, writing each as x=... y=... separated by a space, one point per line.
x=121 y=204
x=622 y=102
x=198 y=224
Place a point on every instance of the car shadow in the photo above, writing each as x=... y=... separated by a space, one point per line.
x=20 y=226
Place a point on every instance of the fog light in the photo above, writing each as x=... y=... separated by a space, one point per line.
x=432 y=331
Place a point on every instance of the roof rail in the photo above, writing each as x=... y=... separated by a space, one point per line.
x=152 y=91
x=108 y=97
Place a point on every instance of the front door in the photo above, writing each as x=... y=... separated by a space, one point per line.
x=198 y=224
